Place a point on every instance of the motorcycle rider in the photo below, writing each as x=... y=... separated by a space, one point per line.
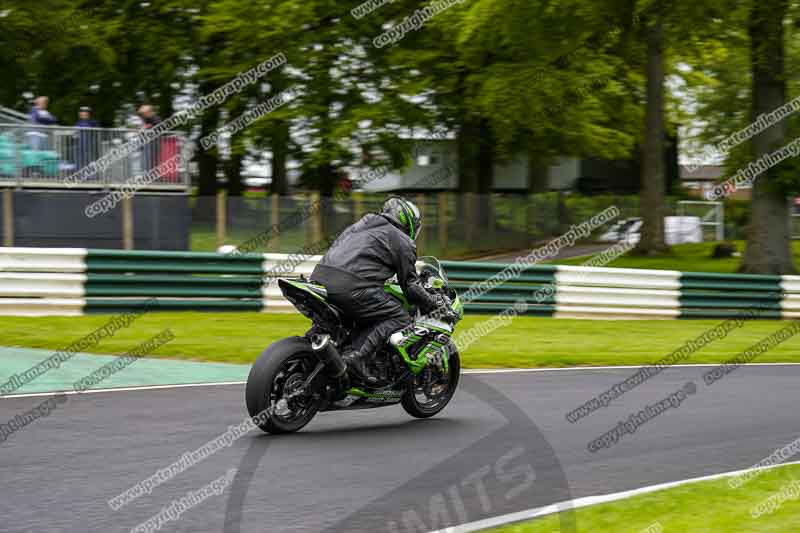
x=357 y=265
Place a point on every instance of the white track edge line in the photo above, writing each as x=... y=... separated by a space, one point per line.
x=613 y=367
x=473 y=371
x=588 y=501
x=123 y=389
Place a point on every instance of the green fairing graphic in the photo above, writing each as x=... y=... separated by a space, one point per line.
x=397 y=292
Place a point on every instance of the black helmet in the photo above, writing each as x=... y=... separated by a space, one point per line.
x=403 y=214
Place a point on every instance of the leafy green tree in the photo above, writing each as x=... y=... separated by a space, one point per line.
x=749 y=68
x=669 y=32
x=768 y=248
x=506 y=79
x=55 y=49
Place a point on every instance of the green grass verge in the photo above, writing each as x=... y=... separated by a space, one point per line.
x=527 y=342
x=703 y=507
x=684 y=257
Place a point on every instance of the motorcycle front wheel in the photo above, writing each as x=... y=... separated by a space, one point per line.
x=431 y=391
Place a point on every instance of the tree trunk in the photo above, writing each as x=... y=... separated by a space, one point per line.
x=232 y=165
x=768 y=248
x=653 y=176
x=469 y=149
x=207 y=174
x=233 y=172
x=469 y=152
x=485 y=175
x=207 y=159
x=279 y=146
x=538 y=180
x=328 y=180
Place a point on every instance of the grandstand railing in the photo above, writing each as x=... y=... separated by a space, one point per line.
x=46 y=156
x=10 y=116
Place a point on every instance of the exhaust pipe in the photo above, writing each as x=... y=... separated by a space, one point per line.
x=327 y=352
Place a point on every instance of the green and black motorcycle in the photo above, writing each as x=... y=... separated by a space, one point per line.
x=297 y=377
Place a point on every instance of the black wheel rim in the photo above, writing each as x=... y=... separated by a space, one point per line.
x=283 y=403
x=432 y=389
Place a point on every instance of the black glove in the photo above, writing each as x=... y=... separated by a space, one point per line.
x=442 y=309
x=440 y=300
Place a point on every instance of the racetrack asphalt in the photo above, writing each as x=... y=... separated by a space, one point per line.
x=503 y=445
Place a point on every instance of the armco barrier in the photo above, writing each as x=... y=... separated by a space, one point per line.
x=607 y=293
x=36 y=281
x=189 y=281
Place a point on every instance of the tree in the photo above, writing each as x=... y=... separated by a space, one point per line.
x=551 y=79
x=55 y=49
x=768 y=248
x=653 y=191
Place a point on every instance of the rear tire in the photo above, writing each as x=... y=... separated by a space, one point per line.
x=418 y=409
x=282 y=365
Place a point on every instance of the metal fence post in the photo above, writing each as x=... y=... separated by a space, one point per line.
x=17 y=135
x=490 y=216
x=8 y=217
x=358 y=206
x=421 y=238
x=443 y=221
x=469 y=217
x=127 y=223
x=316 y=219
x=222 y=218
x=275 y=220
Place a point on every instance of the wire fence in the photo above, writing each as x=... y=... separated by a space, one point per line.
x=454 y=225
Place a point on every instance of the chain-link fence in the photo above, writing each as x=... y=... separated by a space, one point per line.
x=454 y=225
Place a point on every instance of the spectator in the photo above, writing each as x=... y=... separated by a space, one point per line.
x=40 y=116
x=87 y=140
x=149 y=116
x=85 y=119
x=39 y=113
x=151 y=150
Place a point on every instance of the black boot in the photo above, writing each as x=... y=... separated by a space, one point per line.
x=357 y=362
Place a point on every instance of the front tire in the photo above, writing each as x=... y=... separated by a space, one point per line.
x=415 y=400
x=275 y=374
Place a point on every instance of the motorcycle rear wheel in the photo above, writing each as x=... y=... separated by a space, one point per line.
x=279 y=371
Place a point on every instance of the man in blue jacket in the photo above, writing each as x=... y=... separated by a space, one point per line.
x=40 y=116
x=87 y=140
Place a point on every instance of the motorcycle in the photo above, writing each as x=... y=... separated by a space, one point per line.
x=418 y=367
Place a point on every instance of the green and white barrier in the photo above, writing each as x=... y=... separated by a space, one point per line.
x=42 y=281
x=73 y=281
x=608 y=293
x=591 y=292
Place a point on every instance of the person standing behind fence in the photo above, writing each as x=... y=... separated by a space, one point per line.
x=87 y=140
x=40 y=116
x=151 y=149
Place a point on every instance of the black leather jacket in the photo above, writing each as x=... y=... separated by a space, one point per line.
x=367 y=254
